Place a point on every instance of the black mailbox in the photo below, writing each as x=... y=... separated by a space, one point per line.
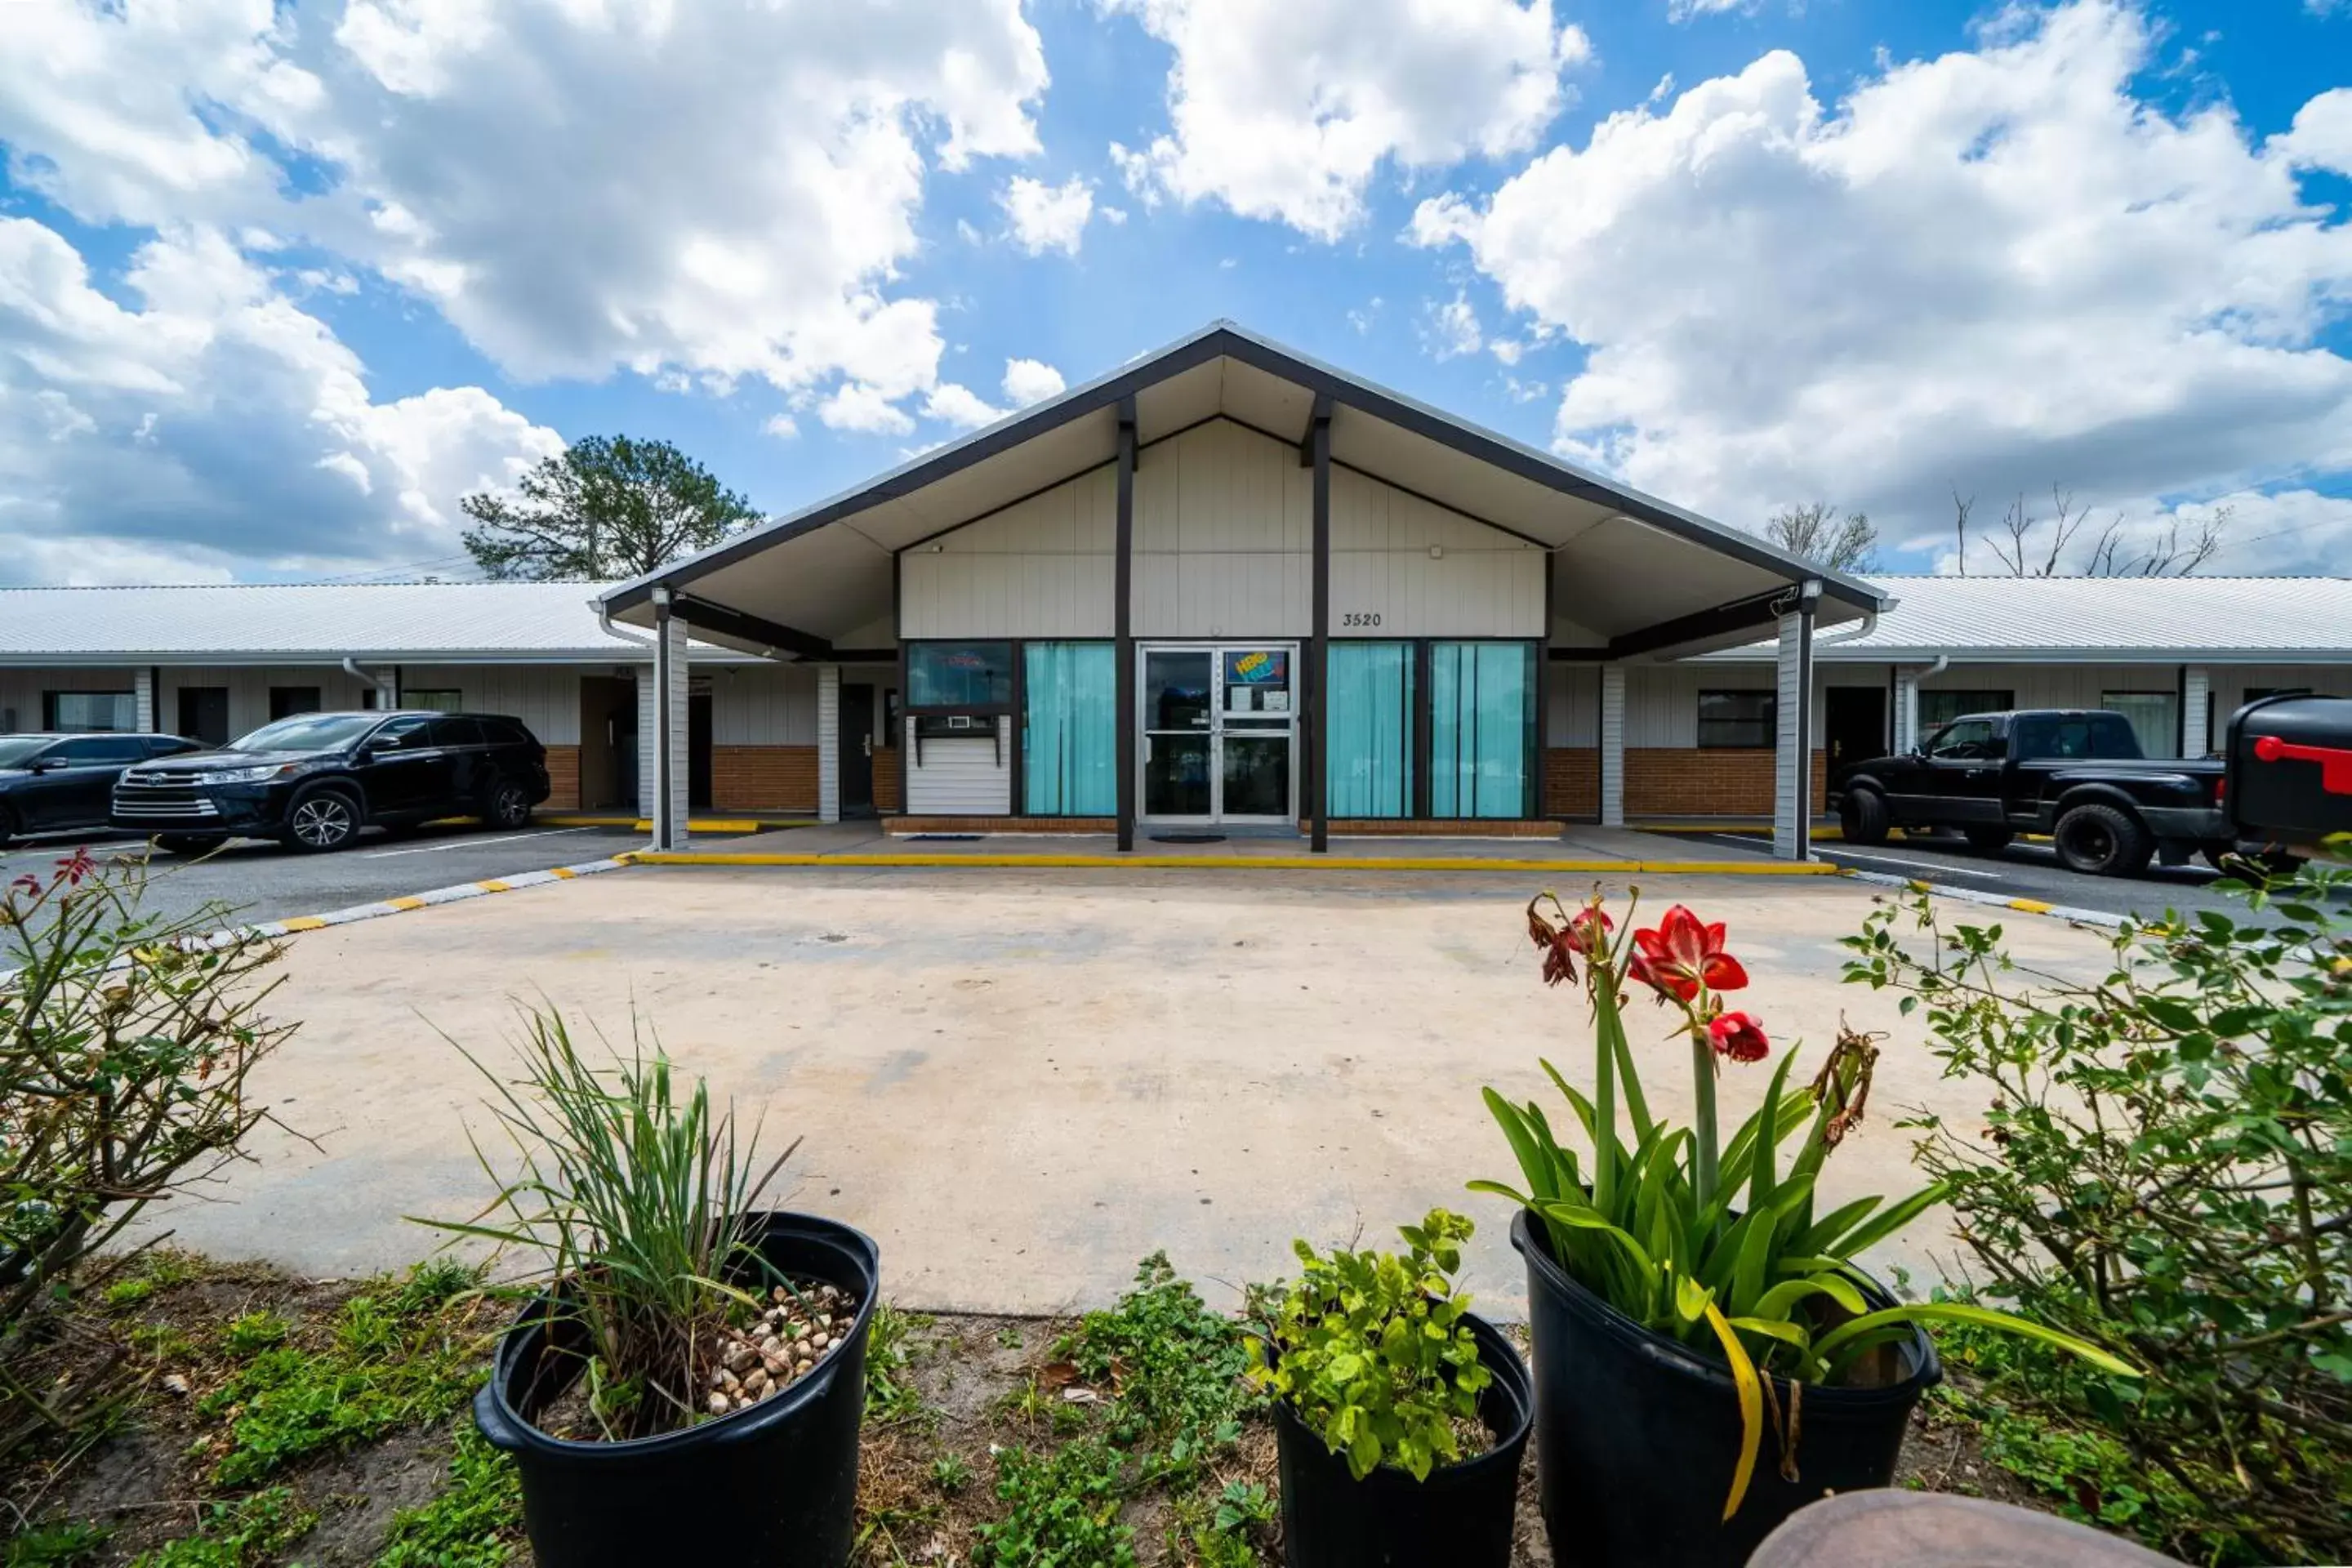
x=2290 y=771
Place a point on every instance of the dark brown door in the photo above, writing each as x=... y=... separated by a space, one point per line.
x=1853 y=725
x=857 y=740
x=203 y=714
x=608 y=734
x=697 y=750
x=284 y=702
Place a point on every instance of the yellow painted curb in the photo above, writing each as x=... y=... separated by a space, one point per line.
x=405 y=903
x=494 y=886
x=2032 y=906
x=1239 y=863
x=693 y=824
x=566 y=874
x=304 y=922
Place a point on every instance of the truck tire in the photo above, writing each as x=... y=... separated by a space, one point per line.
x=1990 y=840
x=321 y=820
x=2102 y=840
x=1862 y=817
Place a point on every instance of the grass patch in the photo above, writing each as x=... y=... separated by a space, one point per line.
x=477 y=1523
x=395 y=1358
x=1059 y=1508
x=890 y=1394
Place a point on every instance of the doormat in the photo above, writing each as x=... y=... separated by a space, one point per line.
x=943 y=837
x=1188 y=839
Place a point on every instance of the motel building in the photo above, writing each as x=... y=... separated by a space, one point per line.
x=1225 y=590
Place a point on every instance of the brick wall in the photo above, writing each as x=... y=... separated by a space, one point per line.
x=1690 y=781
x=1573 y=782
x=763 y=778
x=562 y=778
x=1000 y=824
x=886 y=779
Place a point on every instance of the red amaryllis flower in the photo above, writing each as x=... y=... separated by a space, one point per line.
x=1588 y=930
x=1680 y=953
x=1739 y=1036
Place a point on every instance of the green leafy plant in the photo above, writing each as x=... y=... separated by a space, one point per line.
x=252 y=1333
x=636 y=1202
x=382 y=1368
x=1370 y=1351
x=949 y=1474
x=1179 y=1370
x=477 y=1522
x=1061 y=1510
x=126 y=1037
x=2164 y=1169
x=891 y=1397
x=67 y=1544
x=243 y=1533
x=1718 y=1245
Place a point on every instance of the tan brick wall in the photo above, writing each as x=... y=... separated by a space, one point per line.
x=763 y=778
x=1000 y=824
x=1573 y=782
x=1440 y=827
x=885 y=780
x=1690 y=782
x=562 y=778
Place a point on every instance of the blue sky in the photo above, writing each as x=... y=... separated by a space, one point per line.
x=278 y=283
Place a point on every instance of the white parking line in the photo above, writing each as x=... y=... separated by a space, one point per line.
x=468 y=842
x=1944 y=868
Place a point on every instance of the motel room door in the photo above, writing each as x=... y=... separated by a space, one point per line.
x=1220 y=733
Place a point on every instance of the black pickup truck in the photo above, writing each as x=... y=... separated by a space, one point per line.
x=2075 y=774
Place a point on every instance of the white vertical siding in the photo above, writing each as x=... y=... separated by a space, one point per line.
x=1613 y=745
x=961 y=777
x=1481 y=582
x=828 y=742
x=1906 y=708
x=764 y=705
x=1225 y=526
x=1041 y=567
x=1791 y=762
x=248 y=690
x=2196 y=712
x=675 y=808
x=1574 y=707
x=545 y=697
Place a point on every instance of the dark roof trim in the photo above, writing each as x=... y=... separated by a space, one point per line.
x=1739 y=615
x=1223 y=340
x=727 y=623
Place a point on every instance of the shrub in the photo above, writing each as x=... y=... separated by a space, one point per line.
x=1179 y=1370
x=125 y=1042
x=1371 y=1352
x=2164 y=1169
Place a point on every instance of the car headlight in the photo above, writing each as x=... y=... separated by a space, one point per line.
x=246 y=775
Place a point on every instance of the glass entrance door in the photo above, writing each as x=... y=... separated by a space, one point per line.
x=1220 y=730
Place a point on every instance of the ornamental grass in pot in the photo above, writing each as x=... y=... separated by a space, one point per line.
x=1400 y=1415
x=686 y=1380
x=1708 y=1358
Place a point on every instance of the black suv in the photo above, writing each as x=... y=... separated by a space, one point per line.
x=57 y=784
x=314 y=781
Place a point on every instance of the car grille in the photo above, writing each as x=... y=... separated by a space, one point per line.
x=159 y=796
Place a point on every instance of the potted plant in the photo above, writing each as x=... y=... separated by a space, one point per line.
x=1686 y=1299
x=687 y=1379
x=1400 y=1415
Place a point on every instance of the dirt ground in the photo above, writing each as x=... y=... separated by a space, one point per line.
x=1020 y=1082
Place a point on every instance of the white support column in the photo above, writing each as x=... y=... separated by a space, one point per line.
x=387 y=690
x=671 y=678
x=143 y=688
x=649 y=745
x=1906 y=709
x=828 y=742
x=1792 y=766
x=2196 y=710
x=1613 y=745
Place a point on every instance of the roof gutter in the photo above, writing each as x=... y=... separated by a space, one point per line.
x=604 y=619
x=1943 y=662
x=352 y=669
x=1869 y=624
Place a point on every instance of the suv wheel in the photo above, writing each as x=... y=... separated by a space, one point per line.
x=1862 y=817
x=322 y=820
x=505 y=805
x=2102 y=840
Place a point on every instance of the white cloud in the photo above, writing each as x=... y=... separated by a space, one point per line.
x=211 y=423
x=1995 y=269
x=783 y=426
x=724 y=190
x=1286 y=109
x=1028 y=381
x=1685 y=10
x=864 y=408
x=1450 y=330
x=1047 y=217
x=959 y=406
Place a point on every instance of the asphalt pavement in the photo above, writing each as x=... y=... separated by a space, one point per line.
x=253 y=879
x=2025 y=870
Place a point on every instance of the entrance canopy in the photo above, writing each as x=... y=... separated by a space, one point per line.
x=1632 y=576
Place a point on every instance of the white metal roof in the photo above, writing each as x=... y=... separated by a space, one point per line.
x=2219 y=620
x=262 y=623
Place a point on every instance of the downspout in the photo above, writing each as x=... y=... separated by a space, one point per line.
x=1943 y=662
x=604 y=619
x=1869 y=624
x=365 y=678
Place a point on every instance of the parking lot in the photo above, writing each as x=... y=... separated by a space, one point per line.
x=251 y=879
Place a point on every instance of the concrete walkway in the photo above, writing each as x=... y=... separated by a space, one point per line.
x=1021 y=1082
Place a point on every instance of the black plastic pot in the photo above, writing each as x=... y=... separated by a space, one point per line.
x=1462 y=1516
x=770 y=1485
x=1637 y=1435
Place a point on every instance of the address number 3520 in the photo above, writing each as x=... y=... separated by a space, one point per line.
x=1360 y=619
